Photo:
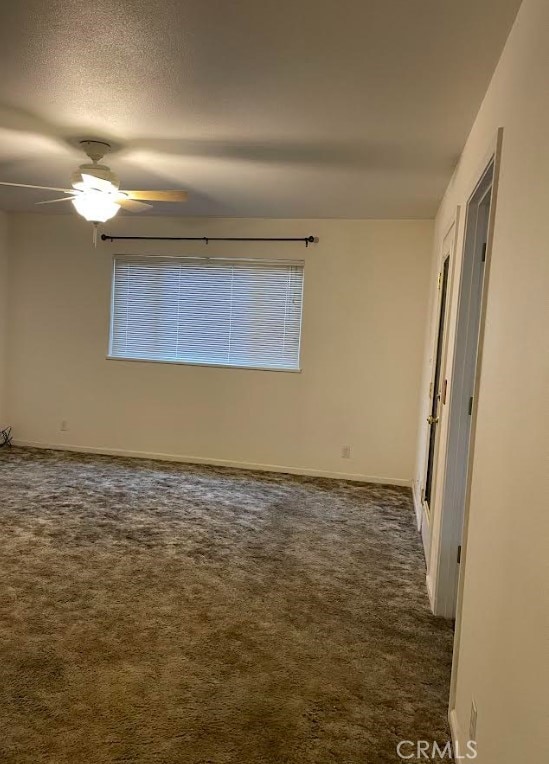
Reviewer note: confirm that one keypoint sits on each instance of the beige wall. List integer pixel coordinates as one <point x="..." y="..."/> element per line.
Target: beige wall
<point x="3" y="313"/>
<point x="363" y="324"/>
<point x="503" y="656"/>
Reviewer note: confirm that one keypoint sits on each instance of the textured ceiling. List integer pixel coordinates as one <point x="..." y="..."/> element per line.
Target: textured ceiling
<point x="262" y="108"/>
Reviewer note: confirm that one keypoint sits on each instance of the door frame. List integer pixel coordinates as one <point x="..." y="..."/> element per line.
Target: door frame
<point x="494" y="160"/>
<point x="448" y="532"/>
<point x="448" y="545"/>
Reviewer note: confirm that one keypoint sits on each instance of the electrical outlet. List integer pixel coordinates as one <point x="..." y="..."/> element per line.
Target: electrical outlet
<point x="473" y="722"/>
<point x="64" y="426"/>
<point x="346" y="452"/>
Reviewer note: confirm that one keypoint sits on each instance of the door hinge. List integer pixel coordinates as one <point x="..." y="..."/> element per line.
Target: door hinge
<point x="439" y="280"/>
<point x="470" y="405"/>
<point x="459" y="554"/>
<point x="484" y="252"/>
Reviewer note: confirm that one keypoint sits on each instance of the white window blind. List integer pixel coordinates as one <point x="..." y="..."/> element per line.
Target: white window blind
<point x="207" y="311"/>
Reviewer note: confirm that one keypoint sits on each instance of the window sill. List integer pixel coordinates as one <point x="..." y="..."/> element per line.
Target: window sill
<point x="203" y="365"/>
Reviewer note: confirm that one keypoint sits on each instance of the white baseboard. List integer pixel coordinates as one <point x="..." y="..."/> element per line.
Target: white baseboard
<point x="356" y="477"/>
<point x="454" y="728"/>
<point x="430" y="593"/>
<point x="418" y="509"/>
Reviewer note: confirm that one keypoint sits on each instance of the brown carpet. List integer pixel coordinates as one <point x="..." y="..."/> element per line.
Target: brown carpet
<point x="154" y="612"/>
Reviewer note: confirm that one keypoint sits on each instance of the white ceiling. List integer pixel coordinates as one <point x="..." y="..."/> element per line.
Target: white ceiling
<point x="260" y="108"/>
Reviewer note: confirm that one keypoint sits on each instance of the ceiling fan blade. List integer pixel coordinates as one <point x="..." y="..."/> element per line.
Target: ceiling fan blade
<point x="97" y="184"/>
<point x="132" y="206"/>
<point x="54" y="201"/>
<point x="43" y="188"/>
<point x="159" y="196"/>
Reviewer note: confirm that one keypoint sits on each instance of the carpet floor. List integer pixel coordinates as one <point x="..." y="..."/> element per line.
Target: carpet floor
<point x="155" y="612"/>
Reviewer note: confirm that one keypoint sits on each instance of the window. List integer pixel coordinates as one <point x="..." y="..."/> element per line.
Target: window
<point x="207" y="311"/>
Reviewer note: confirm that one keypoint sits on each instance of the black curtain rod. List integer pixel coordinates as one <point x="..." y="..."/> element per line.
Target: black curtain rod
<point x="206" y="239"/>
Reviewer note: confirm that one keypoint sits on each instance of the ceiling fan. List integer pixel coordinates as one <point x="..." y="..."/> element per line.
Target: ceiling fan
<point x="95" y="191"/>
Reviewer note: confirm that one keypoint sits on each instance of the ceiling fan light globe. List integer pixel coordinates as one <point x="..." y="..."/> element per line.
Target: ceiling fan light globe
<point x="95" y="207"/>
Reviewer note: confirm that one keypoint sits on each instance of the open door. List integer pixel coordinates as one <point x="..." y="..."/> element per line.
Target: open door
<point x="437" y="391"/>
<point x="436" y="388"/>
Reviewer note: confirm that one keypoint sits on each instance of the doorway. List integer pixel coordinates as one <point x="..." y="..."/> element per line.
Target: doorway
<point x="462" y="393"/>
